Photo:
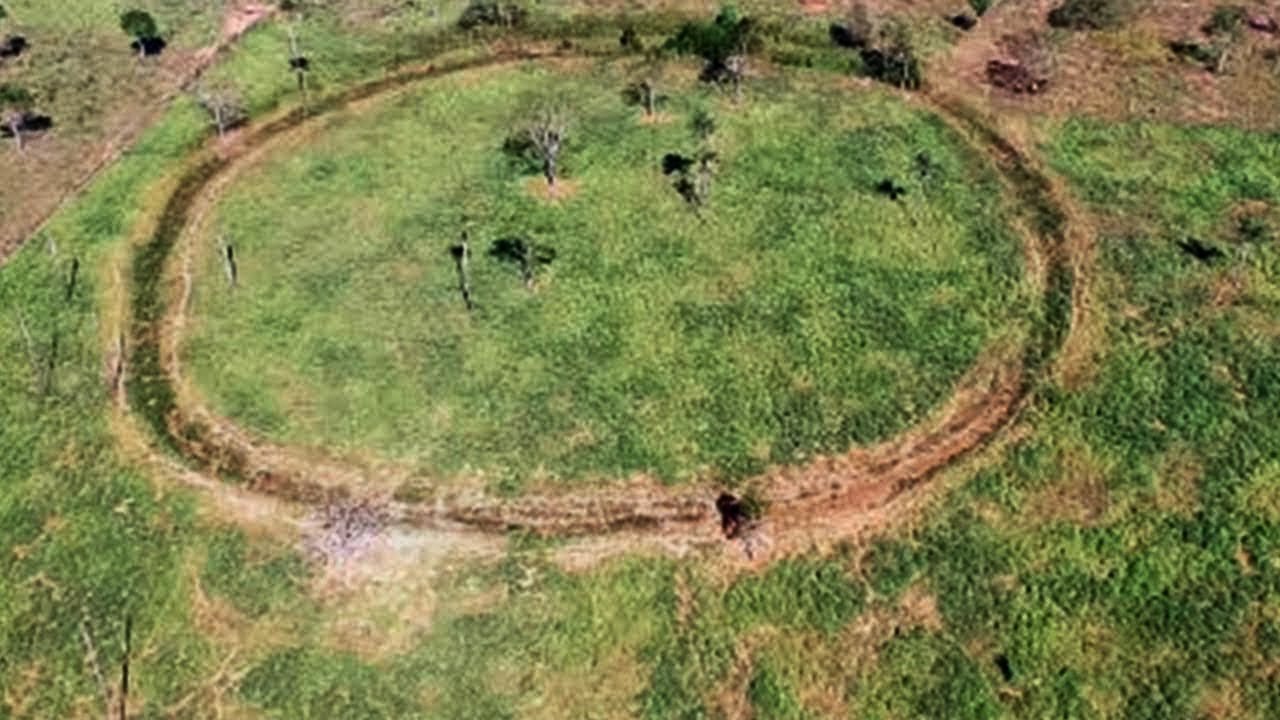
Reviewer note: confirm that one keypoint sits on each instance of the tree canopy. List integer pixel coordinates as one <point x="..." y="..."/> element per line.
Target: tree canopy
<point x="728" y="34"/>
<point x="139" y="24"/>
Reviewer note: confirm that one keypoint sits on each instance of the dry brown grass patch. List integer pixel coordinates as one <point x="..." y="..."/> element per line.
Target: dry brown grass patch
<point x="1080" y="493"/>
<point x="1178" y="482"/>
<point x="537" y="188"/>
<point x="379" y="604"/>
<point x="658" y="118"/>
<point x="1222" y="701"/>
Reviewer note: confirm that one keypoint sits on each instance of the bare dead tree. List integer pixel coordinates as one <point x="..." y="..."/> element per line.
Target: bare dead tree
<point x="124" y="667"/>
<point x="526" y="254"/>
<point x="643" y="93"/>
<point x="461" y="252"/>
<point x="73" y="276"/>
<point x="735" y="67"/>
<point x="299" y="64"/>
<point x="229" y="268"/>
<point x="91" y="659"/>
<point x="546" y="132"/>
<point x="15" y="103"/>
<point x="225" y="105"/>
<point x="706" y="169"/>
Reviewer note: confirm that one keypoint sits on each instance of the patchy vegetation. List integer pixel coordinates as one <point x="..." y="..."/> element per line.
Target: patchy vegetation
<point x="659" y="341"/>
<point x="1115" y="554"/>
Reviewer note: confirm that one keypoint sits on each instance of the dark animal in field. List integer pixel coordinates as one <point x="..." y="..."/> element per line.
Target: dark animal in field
<point x="964" y="21"/>
<point x="13" y="46"/>
<point x="675" y="163"/>
<point x="1200" y="251"/>
<point x="890" y="189"/>
<point x="149" y="46"/>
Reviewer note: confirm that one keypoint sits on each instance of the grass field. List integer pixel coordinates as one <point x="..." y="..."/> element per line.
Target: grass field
<point x="800" y="312"/>
<point x="1117" y="555"/>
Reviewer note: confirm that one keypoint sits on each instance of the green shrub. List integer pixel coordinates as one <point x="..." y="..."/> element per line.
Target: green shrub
<point x="1089" y="14"/>
<point x="482" y="13"/>
<point x="727" y="34"/>
<point x="981" y="6"/>
<point x="1226" y="20"/>
<point x="770" y="696"/>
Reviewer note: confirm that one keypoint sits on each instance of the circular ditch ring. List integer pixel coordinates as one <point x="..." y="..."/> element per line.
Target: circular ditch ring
<point x="801" y="500"/>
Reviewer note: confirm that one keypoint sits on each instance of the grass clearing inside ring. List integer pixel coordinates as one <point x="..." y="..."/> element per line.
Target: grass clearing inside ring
<point x="800" y="312"/>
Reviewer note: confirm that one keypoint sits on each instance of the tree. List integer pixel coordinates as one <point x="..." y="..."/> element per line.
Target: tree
<point x="139" y="25"/>
<point x="461" y="252"/>
<point x="299" y="64"/>
<point x="735" y="68"/>
<point x="703" y="124"/>
<point x="724" y="44"/>
<point x="894" y="59"/>
<point x="525" y="253"/>
<point x="706" y="168"/>
<point x="497" y="14"/>
<point x="224" y="104"/>
<point x="630" y="39"/>
<point x="15" y="103"/>
<point x="1225" y="29"/>
<point x="693" y="175"/>
<point x="643" y="93"/>
<point x="546" y="133"/>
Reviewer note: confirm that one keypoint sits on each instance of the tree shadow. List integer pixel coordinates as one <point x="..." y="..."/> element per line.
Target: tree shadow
<point x="524" y="253"/>
<point x="13" y="46"/>
<point x="149" y="47"/>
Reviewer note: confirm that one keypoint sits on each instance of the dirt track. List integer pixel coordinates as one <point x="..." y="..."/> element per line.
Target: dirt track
<point x="822" y="499"/>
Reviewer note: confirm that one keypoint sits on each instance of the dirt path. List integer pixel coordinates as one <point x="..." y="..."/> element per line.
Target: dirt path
<point x="826" y="498"/>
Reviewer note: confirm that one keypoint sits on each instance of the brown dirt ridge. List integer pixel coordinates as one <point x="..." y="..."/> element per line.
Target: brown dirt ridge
<point x="825" y="498"/>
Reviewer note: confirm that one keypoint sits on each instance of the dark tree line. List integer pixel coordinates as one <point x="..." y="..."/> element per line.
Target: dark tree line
<point x="886" y="49"/>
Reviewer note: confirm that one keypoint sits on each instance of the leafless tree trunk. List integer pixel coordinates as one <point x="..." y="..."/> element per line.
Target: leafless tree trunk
<point x="91" y="658"/>
<point x="124" y="668"/>
<point x="14" y="120"/>
<point x="229" y="264"/>
<point x="223" y="103"/>
<point x="648" y="97"/>
<point x="736" y="65"/>
<point x="298" y="62"/>
<point x="547" y="133"/>
<point x="72" y="278"/>
<point x="706" y="168"/>
<point x="462" y="259"/>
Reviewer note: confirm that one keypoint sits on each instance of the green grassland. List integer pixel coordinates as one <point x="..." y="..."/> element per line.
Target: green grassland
<point x="1121" y="559"/>
<point x="799" y="312"/>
